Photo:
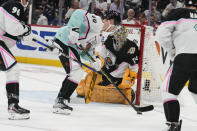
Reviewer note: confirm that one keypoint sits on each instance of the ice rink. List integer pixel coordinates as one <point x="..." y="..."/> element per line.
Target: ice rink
<point x="39" y="86"/>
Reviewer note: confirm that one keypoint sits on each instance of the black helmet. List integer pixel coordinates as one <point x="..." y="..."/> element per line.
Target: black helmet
<point x="190" y="2"/>
<point x="113" y="15"/>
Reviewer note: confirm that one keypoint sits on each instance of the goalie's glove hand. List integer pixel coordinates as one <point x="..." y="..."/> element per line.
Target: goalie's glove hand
<point x="74" y="35"/>
<point x="55" y="48"/>
<point x="97" y="65"/>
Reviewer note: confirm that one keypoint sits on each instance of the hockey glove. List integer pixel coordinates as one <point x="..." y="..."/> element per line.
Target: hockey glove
<point x="74" y="35"/>
<point x="27" y="29"/>
<point x="56" y="49"/>
<point x="97" y="65"/>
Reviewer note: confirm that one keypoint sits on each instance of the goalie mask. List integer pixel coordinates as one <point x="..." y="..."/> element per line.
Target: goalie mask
<point x="120" y="36"/>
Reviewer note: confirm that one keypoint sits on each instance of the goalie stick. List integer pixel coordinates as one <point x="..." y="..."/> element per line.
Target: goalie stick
<point x="139" y="110"/>
<point x="88" y="96"/>
<point x="91" y="88"/>
<point x="92" y="83"/>
<point x="51" y="48"/>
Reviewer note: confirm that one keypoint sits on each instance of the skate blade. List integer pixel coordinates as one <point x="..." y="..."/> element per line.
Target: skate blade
<point x="61" y="111"/>
<point x="16" y="116"/>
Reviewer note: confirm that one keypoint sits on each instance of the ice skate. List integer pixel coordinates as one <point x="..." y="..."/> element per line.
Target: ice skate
<point x="173" y="127"/>
<point x="61" y="106"/>
<point x="17" y="113"/>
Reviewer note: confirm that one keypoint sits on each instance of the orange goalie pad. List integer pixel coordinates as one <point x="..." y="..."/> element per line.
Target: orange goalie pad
<point x="108" y="94"/>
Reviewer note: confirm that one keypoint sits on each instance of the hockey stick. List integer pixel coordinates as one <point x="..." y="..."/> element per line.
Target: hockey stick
<point x="91" y="88"/>
<point x="62" y="53"/>
<point x="139" y="110"/>
<point x="88" y="96"/>
<point x="92" y="83"/>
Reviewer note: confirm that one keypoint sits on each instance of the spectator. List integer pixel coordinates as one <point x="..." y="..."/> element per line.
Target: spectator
<point x="161" y="4"/>
<point x="35" y="16"/>
<point x="154" y="23"/>
<point x="101" y="7"/>
<point x="74" y="6"/>
<point x="172" y="5"/>
<point x="154" y="12"/>
<point x="142" y="20"/>
<point x="115" y="6"/>
<point x="50" y="13"/>
<point x="130" y="17"/>
<point x="42" y="20"/>
<point x="108" y="4"/>
<point x="84" y="4"/>
<point x="55" y="21"/>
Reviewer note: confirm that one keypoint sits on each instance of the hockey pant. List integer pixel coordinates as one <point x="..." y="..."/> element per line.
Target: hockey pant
<point x="9" y="65"/>
<point x="183" y="69"/>
<point x="71" y="81"/>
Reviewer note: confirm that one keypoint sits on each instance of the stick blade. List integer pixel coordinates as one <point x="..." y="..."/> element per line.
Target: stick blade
<point x="146" y="108"/>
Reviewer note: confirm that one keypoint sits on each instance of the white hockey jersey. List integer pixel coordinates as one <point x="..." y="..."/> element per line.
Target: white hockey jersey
<point x="11" y="22"/>
<point x="179" y="31"/>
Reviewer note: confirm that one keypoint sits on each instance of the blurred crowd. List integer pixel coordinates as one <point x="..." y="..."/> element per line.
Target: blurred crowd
<point x="46" y="12"/>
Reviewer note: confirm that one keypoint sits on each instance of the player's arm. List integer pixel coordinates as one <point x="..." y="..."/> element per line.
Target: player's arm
<point x="132" y="51"/>
<point x="13" y="20"/>
<point x="166" y="28"/>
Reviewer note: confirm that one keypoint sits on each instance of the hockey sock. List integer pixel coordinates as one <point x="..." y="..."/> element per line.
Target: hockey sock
<point x="68" y="87"/>
<point x="172" y="110"/>
<point x="12" y="92"/>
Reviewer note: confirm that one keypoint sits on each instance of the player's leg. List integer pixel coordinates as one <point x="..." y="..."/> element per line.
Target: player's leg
<point x="9" y="65"/>
<point x="68" y="85"/>
<point x="171" y="87"/>
<point x="193" y="85"/>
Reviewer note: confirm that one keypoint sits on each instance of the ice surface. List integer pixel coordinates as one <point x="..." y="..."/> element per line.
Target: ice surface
<point x="39" y="86"/>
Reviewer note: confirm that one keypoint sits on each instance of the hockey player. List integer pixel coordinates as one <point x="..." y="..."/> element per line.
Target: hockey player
<point x="178" y="35"/>
<point x="118" y="53"/>
<point x="11" y="28"/>
<point x="83" y="29"/>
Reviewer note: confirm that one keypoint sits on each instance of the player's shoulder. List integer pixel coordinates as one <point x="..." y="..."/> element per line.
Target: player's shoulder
<point x="14" y="8"/>
<point x="177" y="14"/>
<point x="130" y="43"/>
<point x="79" y="11"/>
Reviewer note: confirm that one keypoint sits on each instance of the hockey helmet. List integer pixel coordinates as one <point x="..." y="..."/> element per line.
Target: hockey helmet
<point x="113" y="15"/>
<point x="120" y="35"/>
<point x="191" y="2"/>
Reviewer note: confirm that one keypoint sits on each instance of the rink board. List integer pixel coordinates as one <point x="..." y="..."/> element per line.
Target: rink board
<point x="27" y="52"/>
